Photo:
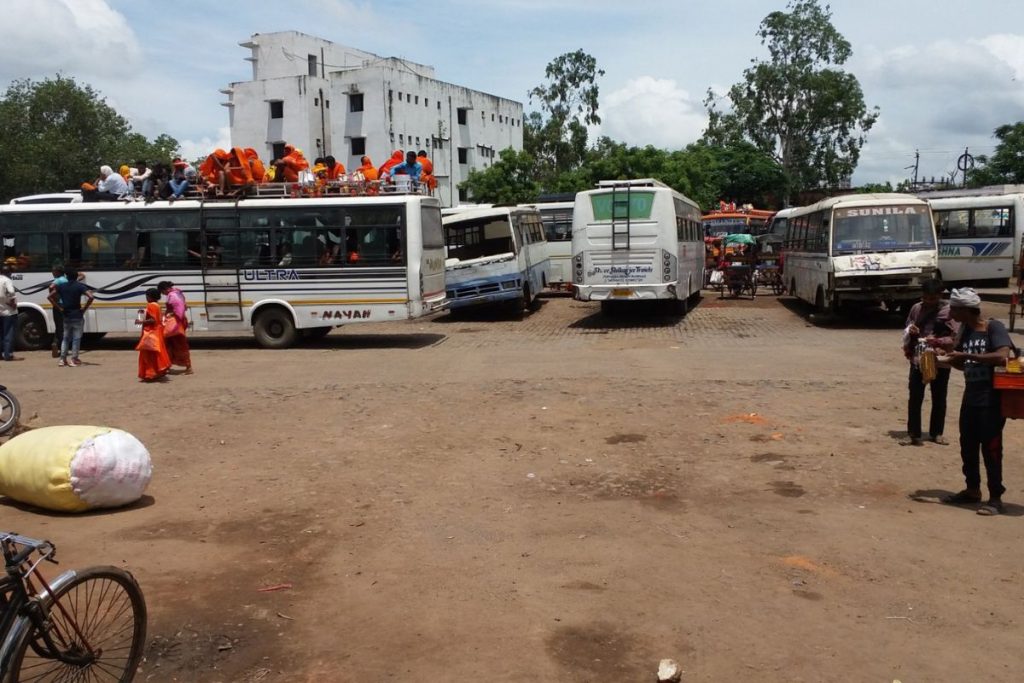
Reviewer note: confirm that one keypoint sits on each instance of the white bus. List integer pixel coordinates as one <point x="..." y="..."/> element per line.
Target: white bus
<point x="636" y="240"/>
<point x="495" y="255"/>
<point x="557" y="219"/>
<point x="867" y="248"/>
<point x="284" y="267"/>
<point x="979" y="236"/>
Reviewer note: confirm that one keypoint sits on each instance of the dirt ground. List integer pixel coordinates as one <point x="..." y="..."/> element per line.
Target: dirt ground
<point x="570" y="497"/>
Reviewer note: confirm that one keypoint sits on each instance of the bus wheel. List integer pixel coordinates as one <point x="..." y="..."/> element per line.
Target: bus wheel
<point x="32" y="335"/>
<point x="275" y="329"/>
<point x="819" y="301"/>
<point x="529" y="302"/>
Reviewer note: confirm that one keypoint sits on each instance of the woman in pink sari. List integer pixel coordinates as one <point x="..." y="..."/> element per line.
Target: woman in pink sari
<point x="153" y="359"/>
<point x="176" y="326"/>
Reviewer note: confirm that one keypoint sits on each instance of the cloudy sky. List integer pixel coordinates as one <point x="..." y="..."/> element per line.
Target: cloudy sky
<point x="944" y="73"/>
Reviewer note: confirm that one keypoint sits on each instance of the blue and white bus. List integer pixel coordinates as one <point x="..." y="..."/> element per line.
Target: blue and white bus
<point x="282" y="268"/>
<point x="557" y="219"/>
<point x="979" y="236"/>
<point x="495" y="255"/>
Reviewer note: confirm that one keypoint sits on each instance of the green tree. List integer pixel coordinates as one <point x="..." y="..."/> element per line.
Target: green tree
<point x="796" y="106"/>
<point x="1006" y="165"/>
<point x="55" y="134"/>
<point x="556" y="136"/>
<point x="509" y="180"/>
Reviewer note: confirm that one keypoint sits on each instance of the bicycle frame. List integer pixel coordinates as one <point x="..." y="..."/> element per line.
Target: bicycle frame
<point x="23" y="607"/>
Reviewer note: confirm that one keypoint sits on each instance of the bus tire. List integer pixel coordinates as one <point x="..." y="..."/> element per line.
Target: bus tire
<point x="32" y="334"/>
<point x="529" y="301"/>
<point x="274" y="328"/>
<point x="820" y="305"/>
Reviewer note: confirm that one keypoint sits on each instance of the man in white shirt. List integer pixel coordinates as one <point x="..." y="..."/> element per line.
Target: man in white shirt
<point x="110" y="187"/>
<point x="8" y="313"/>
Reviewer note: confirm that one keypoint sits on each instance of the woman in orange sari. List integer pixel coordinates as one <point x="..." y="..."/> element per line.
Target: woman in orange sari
<point x="153" y="359"/>
<point x="176" y="325"/>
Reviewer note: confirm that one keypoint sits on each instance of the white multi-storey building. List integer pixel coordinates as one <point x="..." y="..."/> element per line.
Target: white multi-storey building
<point x="326" y="98"/>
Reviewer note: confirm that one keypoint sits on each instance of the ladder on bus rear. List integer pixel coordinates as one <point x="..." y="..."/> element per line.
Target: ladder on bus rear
<point x="621" y="197"/>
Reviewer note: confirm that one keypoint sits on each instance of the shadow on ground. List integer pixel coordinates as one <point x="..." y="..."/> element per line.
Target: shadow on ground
<point x="874" y="318"/>
<point x="624" y="315"/>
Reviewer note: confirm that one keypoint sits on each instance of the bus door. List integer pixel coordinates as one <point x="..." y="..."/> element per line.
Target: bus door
<point x="221" y="258"/>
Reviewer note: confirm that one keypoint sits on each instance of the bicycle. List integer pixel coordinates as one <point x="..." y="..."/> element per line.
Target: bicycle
<point x="86" y="625"/>
<point x="10" y="410"/>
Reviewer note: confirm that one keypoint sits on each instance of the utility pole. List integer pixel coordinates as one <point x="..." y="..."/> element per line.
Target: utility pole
<point x="917" y="161"/>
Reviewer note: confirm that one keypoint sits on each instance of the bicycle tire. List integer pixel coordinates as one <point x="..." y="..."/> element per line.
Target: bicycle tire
<point x="85" y="601"/>
<point x="10" y="411"/>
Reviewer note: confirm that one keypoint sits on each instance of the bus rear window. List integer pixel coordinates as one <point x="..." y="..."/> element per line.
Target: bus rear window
<point x="632" y="205"/>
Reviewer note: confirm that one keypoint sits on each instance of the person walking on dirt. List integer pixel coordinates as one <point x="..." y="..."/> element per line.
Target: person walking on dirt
<point x="8" y="313"/>
<point x="981" y="346"/>
<point x="928" y="321"/>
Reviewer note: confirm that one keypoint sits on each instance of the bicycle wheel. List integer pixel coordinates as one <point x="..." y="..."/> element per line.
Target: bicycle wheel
<point x="97" y="622"/>
<point x="10" y="411"/>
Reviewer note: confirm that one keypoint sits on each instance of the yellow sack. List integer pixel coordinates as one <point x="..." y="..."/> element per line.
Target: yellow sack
<point x="74" y="468"/>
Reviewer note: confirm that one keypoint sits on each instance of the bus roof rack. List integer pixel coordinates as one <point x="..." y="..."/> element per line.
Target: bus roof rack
<point x="635" y="182"/>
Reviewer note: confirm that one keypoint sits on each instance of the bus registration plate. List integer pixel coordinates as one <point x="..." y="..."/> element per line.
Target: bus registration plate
<point x="622" y="292"/>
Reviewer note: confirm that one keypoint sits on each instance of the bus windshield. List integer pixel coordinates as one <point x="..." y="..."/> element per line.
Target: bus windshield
<point x="478" y="238"/>
<point x="882" y="228"/>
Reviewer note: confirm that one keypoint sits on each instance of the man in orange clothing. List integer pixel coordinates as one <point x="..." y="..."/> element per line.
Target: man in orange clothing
<point x="367" y="169"/>
<point x="335" y="169"/>
<point x="427" y="176"/>
<point x="396" y="158"/>
<point x="288" y="166"/>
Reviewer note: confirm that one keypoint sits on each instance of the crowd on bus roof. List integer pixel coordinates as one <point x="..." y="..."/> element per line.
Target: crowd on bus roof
<point x="233" y="172"/>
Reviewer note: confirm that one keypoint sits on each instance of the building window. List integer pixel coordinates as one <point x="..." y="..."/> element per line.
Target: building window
<point x="463" y="195"/>
<point x="461" y="114"/>
<point x="426" y="102"/>
<point x="417" y="143"/>
<point x="312" y="65"/>
<point x="355" y="102"/>
<point x="316" y="101"/>
<point x="417" y="100"/>
<point x="483" y="115"/>
<point x="399" y="95"/>
<point x="439" y="105"/>
<point x="463" y="155"/>
<point x="277" y="109"/>
<point x="438" y="144"/>
<point x="358" y="147"/>
<point x="327" y="103"/>
<point x="492" y="117"/>
<point x="278" y="150"/>
<point x="401" y="139"/>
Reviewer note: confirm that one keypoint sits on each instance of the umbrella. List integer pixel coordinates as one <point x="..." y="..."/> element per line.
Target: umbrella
<point x="739" y="239"/>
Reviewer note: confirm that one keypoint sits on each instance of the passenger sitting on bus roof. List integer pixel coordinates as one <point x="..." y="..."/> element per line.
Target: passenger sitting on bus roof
<point x="256" y="168"/>
<point x="427" y="177"/>
<point x="288" y="166"/>
<point x="178" y="184"/>
<point x="409" y="167"/>
<point x="335" y="169"/>
<point x="385" y="168"/>
<point x="125" y="171"/>
<point x="160" y="183"/>
<point x="367" y="169"/>
<point x="320" y="168"/>
<point x="108" y="187"/>
<point x="142" y="181"/>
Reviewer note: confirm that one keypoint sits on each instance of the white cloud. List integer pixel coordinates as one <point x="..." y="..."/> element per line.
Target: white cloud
<point x="939" y="97"/>
<point x="87" y="37"/>
<point x="652" y="111"/>
<point x="200" y="149"/>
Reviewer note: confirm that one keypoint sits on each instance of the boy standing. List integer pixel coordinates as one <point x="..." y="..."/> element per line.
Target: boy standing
<point x="68" y="298"/>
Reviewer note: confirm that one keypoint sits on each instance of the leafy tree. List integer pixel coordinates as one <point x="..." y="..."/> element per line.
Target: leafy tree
<point x="1006" y="165"/>
<point x="556" y="136"/>
<point x="509" y="180"/>
<point x="795" y="106"/>
<point x="55" y="134"/>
